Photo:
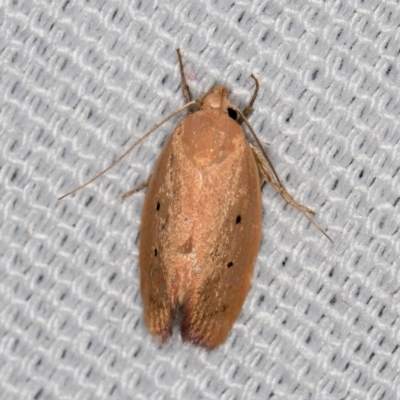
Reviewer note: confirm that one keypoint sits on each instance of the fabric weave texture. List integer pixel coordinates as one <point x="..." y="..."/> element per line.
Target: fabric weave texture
<point x="80" y="81"/>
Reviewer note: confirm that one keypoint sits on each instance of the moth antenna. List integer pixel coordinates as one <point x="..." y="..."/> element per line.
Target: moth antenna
<point x="130" y="148"/>
<point x="185" y="86"/>
<point x="249" y="109"/>
<point x="270" y="174"/>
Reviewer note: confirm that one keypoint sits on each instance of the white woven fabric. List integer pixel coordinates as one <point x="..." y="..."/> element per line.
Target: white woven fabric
<point x="81" y="80"/>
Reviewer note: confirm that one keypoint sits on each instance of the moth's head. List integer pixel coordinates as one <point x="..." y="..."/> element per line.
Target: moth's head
<point x="216" y="99"/>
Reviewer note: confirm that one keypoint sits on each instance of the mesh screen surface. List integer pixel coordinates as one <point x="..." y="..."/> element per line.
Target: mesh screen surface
<point x="81" y="80"/>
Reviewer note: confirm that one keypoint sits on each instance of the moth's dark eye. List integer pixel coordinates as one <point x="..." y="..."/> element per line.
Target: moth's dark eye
<point x="232" y="113"/>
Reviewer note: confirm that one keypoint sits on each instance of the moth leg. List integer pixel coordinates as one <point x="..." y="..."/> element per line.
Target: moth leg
<point x="136" y="189"/>
<point x="269" y="174"/>
<point x="249" y="109"/>
<point x="272" y="178"/>
<point x="185" y="87"/>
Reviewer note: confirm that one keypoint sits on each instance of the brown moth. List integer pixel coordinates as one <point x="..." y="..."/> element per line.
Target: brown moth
<point x="201" y="226"/>
<point x="201" y="220"/>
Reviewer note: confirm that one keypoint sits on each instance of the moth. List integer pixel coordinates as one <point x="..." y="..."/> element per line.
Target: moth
<point x="201" y="220"/>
